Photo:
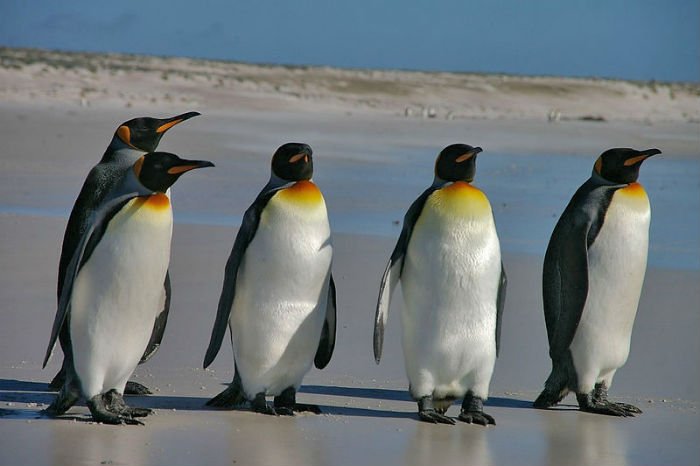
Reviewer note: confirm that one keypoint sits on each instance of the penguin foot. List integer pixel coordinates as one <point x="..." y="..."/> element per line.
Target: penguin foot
<point x="433" y="417"/>
<point x="547" y="399"/>
<point x="58" y="380"/>
<point x="481" y="418"/>
<point x="260" y="405"/>
<point x="428" y="413"/>
<point x="286" y="404"/>
<point x="473" y="411"/>
<point x="587" y="403"/>
<point x="135" y="388"/>
<point x="66" y="398"/>
<point x="231" y="398"/>
<point x="114" y="403"/>
<point x="100" y="413"/>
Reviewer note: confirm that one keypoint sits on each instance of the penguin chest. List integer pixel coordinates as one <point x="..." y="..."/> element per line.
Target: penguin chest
<point x="118" y="291"/>
<point x="450" y="282"/>
<point x="617" y="264"/>
<point x="282" y="290"/>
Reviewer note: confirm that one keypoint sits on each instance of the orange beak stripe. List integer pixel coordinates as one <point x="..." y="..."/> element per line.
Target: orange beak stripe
<point x="634" y="160"/>
<point x="180" y="169"/>
<point x="464" y="157"/>
<point x="167" y="126"/>
<point x="298" y="157"/>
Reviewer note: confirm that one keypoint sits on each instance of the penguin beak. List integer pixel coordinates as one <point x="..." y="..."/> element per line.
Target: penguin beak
<point x="643" y="155"/>
<point x="468" y="155"/>
<point x="301" y="155"/>
<point x="187" y="165"/>
<point x="170" y="122"/>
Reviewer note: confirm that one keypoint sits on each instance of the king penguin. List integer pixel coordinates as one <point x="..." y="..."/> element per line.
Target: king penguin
<point x="112" y="288"/>
<point x="592" y="279"/>
<point x="278" y="296"/>
<point x="131" y="140"/>
<point x="448" y="259"/>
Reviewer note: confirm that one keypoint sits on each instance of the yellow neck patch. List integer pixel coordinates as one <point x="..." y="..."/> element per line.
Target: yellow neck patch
<point x="461" y="199"/>
<point x="633" y="189"/>
<point x="158" y="201"/>
<point x="302" y="192"/>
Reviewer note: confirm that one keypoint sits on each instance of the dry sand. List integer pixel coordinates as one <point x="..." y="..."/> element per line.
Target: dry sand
<point x="371" y="162"/>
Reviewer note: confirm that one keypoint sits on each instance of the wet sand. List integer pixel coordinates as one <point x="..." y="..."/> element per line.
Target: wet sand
<point x="370" y="167"/>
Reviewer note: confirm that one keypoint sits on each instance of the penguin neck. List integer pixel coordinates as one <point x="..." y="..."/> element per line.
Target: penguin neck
<point x="276" y="183"/>
<point x="440" y="183"/>
<point x="119" y="151"/>
<point x="597" y="179"/>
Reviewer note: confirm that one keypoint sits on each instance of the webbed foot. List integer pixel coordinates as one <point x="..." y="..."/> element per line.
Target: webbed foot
<point x="428" y="413"/>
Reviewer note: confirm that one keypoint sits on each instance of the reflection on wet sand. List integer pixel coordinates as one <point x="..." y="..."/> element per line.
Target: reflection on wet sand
<point x="459" y="444"/>
<point x="586" y="440"/>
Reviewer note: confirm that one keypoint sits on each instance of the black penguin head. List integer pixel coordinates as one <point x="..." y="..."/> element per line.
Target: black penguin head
<point x="293" y="162"/>
<point x="144" y="133"/>
<point x="621" y="165"/>
<point x="457" y="163"/>
<point x="158" y="171"/>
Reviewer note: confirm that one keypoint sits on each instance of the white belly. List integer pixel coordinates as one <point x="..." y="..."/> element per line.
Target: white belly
<point x="450" y="282"/>
<point x="117" y="295"/>
<point x="281" y="297"/>
<point x="617" y="263"/>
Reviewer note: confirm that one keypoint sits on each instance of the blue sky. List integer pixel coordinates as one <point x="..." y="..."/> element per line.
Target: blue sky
<point x="643" y="39"/>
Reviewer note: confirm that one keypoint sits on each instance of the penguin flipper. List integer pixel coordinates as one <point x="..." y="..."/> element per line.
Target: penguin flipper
<point x="393" y="270"/>
<point x="500" y="304"/>
<point x="327" y="342"/>
<point x="565" y="288"/>
<point x="159" y="324"/>
<point x="249" y="225"/>
<point x="88" y="242"/>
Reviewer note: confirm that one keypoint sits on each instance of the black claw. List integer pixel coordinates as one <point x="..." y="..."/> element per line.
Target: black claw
<point x="434" y="417"/>
<point x="135" y="388"/>
<point x="481" y="419"/>
<point x="259" y="405"/>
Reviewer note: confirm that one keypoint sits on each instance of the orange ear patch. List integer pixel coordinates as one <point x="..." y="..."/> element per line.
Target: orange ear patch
<point x="137" y="166"/>
<point x="598" y="165"/>
<point x="124" y="134"/>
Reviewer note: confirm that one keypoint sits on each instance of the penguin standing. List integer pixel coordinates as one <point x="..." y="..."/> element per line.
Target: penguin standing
<point x="448" y="259"/>
<point x="593" y="273"/>
<point x="278" y="296"/>
<point x="131" y="140"/>
<point x="112" y="288"/>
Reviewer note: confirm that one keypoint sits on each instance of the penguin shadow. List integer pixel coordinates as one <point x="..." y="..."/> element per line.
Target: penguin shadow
<point x="395" y="395"/>
<point x="21" y="391"/>
<point x="359" y="392"/>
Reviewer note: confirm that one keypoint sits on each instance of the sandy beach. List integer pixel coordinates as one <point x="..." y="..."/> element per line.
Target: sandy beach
<point x="375" y="135"/>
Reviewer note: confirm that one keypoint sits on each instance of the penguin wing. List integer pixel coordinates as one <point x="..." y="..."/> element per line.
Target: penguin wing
<point x="327" y="342"/>
<point x="159" y="324"/>
<point x="246" y="233"/>
<point x="565" y="273"/>
<point x="393" y="270"/>
<point x="500" y="304"/>
<point x="88" y="241"/>
<point x="98" y="183"/>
